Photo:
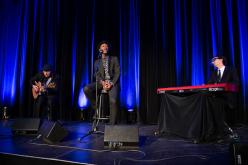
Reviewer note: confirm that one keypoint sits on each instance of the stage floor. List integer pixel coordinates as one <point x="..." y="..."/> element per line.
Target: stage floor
<point x="152" y="149"/>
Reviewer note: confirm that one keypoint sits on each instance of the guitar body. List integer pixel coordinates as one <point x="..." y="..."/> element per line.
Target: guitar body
<point x="35" y="93"/>
<point x="38" y="89"/>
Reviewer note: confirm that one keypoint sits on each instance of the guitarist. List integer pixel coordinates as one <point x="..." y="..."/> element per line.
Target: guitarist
<point x="45" y="90"/>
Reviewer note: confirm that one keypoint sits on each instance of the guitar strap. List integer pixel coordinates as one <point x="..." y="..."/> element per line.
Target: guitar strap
<point x="48" y="81"/>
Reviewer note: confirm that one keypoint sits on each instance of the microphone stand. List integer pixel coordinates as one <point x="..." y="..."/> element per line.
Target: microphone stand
<point x="96" y="117"/>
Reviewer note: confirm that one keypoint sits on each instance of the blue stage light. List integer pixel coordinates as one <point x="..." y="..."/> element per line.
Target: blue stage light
<point x="130" y="54"/>
<point x="82" y="100"/>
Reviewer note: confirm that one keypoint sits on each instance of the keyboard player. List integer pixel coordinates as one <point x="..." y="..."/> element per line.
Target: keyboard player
<point x="224" y="74"/>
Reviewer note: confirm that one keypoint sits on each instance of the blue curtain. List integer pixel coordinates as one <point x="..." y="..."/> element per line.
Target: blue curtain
<point x="13" y="44"/>
<point x="243" y="41"/>
<point x="129" y="53"/>
<point x="159" y="43"/>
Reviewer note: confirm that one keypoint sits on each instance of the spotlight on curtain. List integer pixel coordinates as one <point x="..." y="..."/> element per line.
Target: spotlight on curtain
<point x="129" y="53"/>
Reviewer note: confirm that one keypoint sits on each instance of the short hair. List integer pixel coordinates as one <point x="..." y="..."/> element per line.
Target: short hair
<point x="224" y="60"/>
<point x="103" y="42"/>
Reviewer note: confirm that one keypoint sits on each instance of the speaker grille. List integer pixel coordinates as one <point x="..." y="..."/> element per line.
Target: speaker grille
<point x="52" y="132"/>
<point x="29" y="126"/>
<point x="121" y="136"/>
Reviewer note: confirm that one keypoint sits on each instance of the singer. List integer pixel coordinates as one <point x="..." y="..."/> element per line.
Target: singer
<point x="107" y="73"/>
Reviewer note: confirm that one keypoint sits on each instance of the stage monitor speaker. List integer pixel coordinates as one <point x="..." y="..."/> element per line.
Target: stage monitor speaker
<point x="26" y="126"/>
<point x="121" y="137"/>
<point x="239" y="153"/>
<point x="52" y="132"/>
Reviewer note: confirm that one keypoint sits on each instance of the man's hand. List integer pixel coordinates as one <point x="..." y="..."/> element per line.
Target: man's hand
<point x="51" y="85"/>
<point x="42" y="89"/>
<point x="39" y="85"/>
<point x="106" y="85"/>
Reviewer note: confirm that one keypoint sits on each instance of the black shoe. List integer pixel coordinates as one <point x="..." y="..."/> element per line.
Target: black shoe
<point x="220" y="141"/>
<point x="156" y="133"/>
<point x="228" y="139"/>
<point x="196" y="141"/>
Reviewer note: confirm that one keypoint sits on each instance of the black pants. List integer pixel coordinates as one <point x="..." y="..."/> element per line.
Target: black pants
<point x="219" y="110"/>
<point x="90" y="93"/>
<point x="45" y="107"/>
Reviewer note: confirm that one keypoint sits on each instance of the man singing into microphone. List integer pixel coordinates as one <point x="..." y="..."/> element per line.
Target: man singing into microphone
<point x="107" y="73"/>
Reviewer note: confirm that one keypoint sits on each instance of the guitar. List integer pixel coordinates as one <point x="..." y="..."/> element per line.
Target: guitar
<point x="39" y="89"/>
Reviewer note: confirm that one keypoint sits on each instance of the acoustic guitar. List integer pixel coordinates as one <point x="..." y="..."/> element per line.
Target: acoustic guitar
<point x="39" y="89"/>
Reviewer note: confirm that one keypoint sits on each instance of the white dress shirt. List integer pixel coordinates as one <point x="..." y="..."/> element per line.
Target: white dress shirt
<point x="221" y="71"/>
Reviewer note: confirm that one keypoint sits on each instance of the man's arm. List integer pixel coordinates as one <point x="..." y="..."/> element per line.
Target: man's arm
<point x="97" y="73"/>
<point x="53" y="87"/>
<point x="116" y="70"/>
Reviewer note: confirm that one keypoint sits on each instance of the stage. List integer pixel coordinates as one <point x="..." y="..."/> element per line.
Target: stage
<point x="152" y="149"/>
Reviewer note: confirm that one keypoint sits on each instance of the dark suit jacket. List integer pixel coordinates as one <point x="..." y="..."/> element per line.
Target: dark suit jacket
<point x="114" y="70"/>
<point x="229" y="76"/>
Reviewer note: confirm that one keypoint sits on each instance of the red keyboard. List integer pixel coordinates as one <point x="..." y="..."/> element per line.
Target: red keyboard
<point x="227" y="87"/>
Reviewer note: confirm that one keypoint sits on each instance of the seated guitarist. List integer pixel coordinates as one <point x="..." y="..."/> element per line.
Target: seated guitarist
<point x="45" y="91"/>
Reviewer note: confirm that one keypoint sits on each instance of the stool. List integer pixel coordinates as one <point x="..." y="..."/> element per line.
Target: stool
<point x="102" y="111"/>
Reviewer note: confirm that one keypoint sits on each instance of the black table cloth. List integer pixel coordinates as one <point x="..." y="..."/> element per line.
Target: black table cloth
<point x="190" y="115"/>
